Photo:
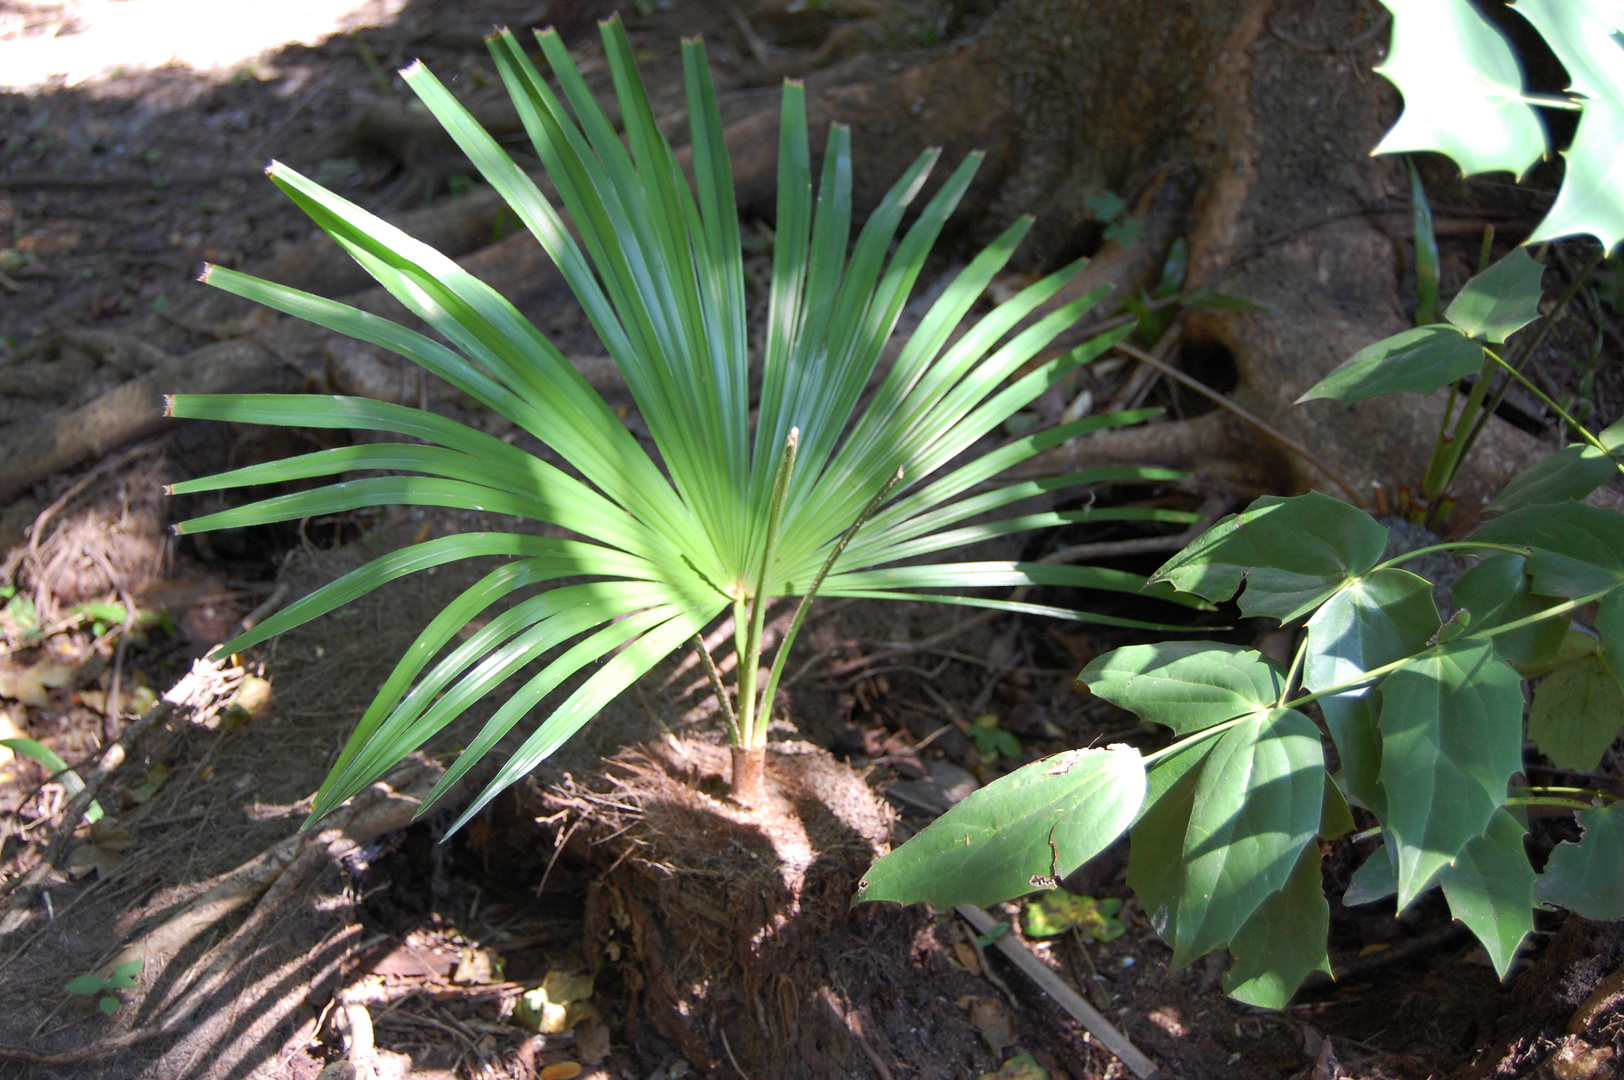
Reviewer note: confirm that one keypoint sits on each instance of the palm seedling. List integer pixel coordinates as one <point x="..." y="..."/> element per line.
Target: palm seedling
<point x="825" y="495"/>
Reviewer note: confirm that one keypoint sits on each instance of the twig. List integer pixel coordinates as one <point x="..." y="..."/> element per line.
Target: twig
<point x="1247" y="415"/>
<point x="1107" y="549"/>
<point x="981" y="956"/>
<point x="269" y="607"/>
<point x="854" y="1024"/>
<point x="735" y="1061"/>
<point x="1064" y="996"/>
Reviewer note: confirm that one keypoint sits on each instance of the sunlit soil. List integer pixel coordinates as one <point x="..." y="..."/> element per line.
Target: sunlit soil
<point x="93" y="41"/>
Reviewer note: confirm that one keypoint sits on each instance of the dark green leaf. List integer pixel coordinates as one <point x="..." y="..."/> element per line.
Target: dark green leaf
<point x="1373" y="880"/>
<point x="1336" y="819"/>
<point x="1208" y="300"/>
<point x="1571" y="473"/>
<point x="1290" y="552"/>
<point x="1257" y="805"/>
<point x="1490" y="888"/>
<point x="1156" y="841"/>
<point x="1578" y="549"/>
<point x="1283" y="941"/>
<point x="1501" y="300"/>
<point x="1161" y="779"/>
<point x="1587" y="878"/>
<point x="1578" y="709"/>
<point x="1187" y="685"/>
<point x="1419" y="361"/>
<point x="1382" y="617"/>
<point x="1497" y="591"/>
<point x="1610" y="625"/>
<point x="1007" y="839"/>
<point x="1451" y="728"/>
<point x="108" y="1004"/>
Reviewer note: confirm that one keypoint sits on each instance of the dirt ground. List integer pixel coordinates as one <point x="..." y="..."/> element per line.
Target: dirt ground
<point x="263" y="949"/>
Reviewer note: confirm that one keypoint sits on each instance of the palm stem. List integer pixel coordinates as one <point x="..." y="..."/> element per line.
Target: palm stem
<point x="752" y="727"/>
<point x="806" y="597"/>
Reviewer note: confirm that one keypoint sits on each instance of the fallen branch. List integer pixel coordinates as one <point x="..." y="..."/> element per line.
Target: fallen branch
<point x="1063" y="995"/>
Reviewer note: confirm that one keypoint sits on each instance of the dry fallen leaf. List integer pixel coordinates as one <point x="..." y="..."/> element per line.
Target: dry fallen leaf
<point x="991" y="1019"/>
<point x="563" y="1070"/>
<point x="477" y="966"/>
<point x="965" y="954"/>
<point x="31" y="685"/>
<point x="557" y="1005"/>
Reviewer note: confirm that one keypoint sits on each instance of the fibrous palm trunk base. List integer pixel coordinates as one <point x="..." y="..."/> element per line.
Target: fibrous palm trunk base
<point x="719" y="920"/>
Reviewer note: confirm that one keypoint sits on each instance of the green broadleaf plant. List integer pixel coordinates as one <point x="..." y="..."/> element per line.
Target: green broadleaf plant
<point x="1427" y="724"/>
<point x="826" y="494"/>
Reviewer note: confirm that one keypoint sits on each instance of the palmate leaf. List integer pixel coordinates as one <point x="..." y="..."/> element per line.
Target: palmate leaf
<point x="1291" y="553"/>
<point x="1255" y="807"/>
<point x="1283" y="941"/>
<point x="1588" y="877"/>
<point x="1578" y="710"/>
<point x="1374" y="880"/>
<point x="1463" y="96"/>
<point x="1501" y="300"/>
<point x="1578" y="549"/>
<point x="1498" y="590"/>
<point x="1451" y="732"/>
<point x="1569" y="474"/>
<point x="1490" y="888"/>
<point x="1462" y="89"/>
<point x="1377" y="619"/>
<point x="1187" y="685"/>
<point x="662" y="543"/>
<point x="1021" y="833"/>
<point x="1584" y="36"/>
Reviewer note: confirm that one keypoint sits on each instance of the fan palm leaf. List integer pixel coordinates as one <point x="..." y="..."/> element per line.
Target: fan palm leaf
<point x="836" y="483"/>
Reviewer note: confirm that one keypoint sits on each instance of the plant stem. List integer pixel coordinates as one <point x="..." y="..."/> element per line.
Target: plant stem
<point x="1539" y="336"/>
<point x="806" y="597"/>
<point x="750" y="654"/>
<point x="1455" y="546"/>
<point x="1447" y="451"/>
<point x="1578" y="428"/>
<point x="1296" y="666"/>
<point x="1190" y="740"/>
<point x="722" y="700"/>
<point x="1572" y="804"/>
<point x="1482" y="635"/>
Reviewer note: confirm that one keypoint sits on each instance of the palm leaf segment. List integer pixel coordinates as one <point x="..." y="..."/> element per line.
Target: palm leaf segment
<point x="659" y="271"/>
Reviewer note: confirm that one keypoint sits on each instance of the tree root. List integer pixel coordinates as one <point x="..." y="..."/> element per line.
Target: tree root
<point x="269" y="881"/>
